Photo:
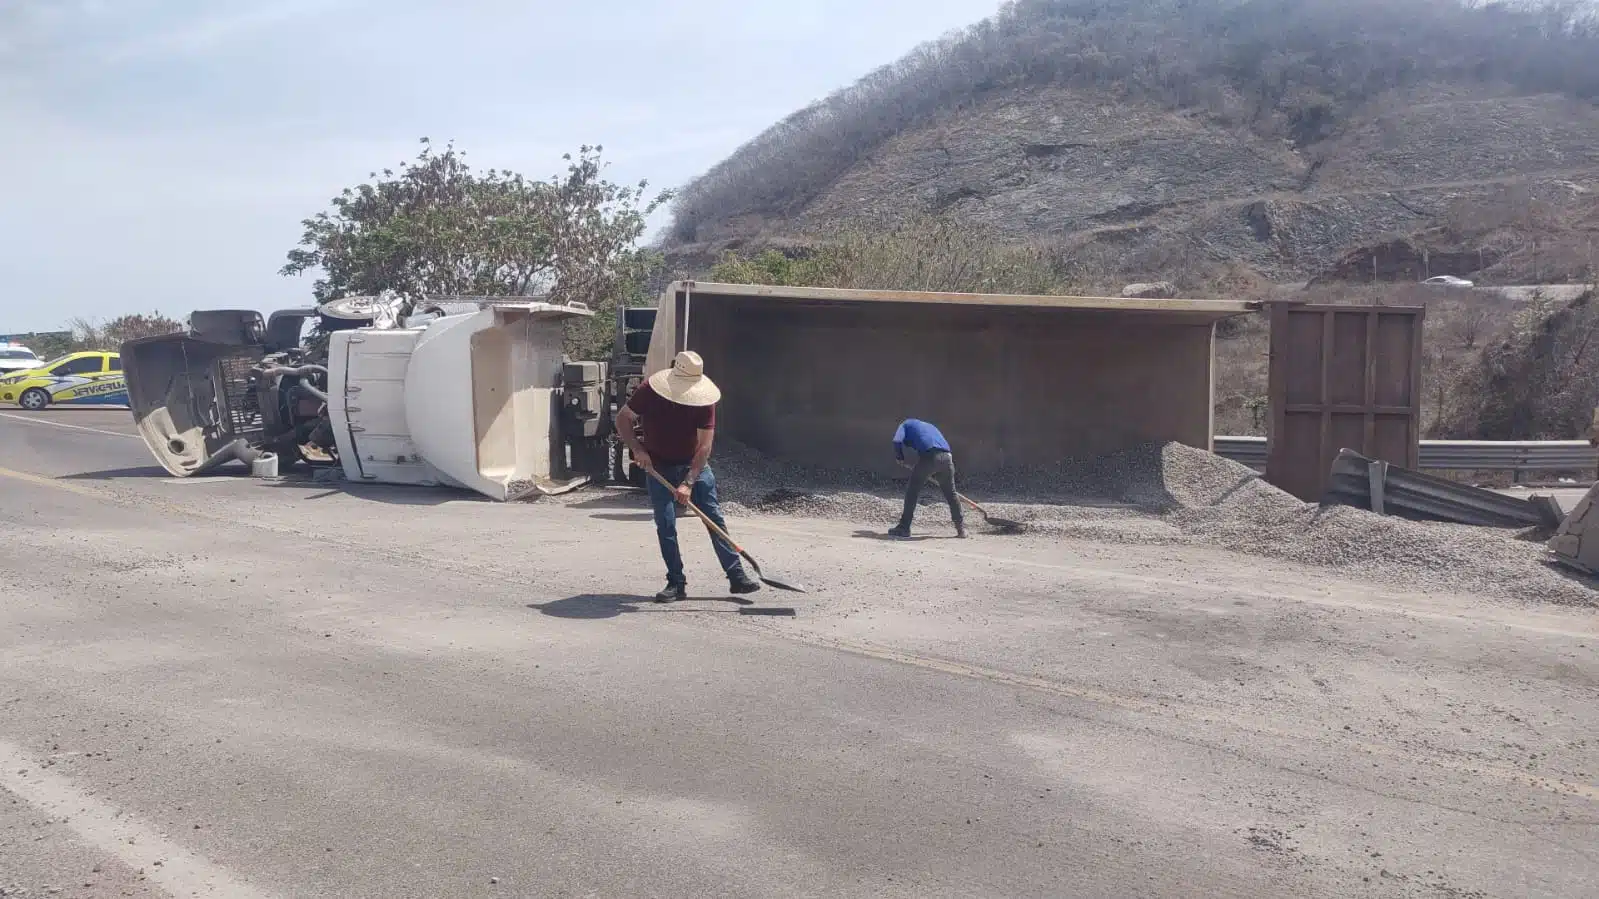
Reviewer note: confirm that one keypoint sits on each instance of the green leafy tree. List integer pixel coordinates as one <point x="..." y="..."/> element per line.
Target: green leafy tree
<point x="592" y="338"/>
<point x="436" y="227"/>
<point x="50" y="345"/>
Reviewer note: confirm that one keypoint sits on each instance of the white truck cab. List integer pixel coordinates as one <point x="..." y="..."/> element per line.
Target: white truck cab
<point x="472" y="396"/>
<point x="466" y="400"/>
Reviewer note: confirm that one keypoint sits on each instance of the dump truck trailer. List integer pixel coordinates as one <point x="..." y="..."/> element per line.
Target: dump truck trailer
<point x="469" y="393"/>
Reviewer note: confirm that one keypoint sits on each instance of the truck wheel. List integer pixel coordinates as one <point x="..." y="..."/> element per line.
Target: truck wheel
<point x="34" y="399"/>
<point x="347" y="313"/>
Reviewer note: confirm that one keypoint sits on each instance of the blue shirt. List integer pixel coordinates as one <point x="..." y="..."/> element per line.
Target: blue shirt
<point x="922" y="437"/>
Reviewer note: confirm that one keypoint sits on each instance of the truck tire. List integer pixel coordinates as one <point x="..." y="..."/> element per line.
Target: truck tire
<point x="34" y="399"/>
<point x="346" y="314"/>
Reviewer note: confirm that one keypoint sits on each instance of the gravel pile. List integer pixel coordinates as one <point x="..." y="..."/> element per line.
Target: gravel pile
<point x="1172" y="495"/>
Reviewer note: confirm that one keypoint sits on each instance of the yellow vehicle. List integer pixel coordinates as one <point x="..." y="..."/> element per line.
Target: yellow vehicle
<point x="91" y="378"/>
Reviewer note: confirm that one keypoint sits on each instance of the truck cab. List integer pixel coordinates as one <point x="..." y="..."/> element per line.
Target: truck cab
<point x="467" y="392"/>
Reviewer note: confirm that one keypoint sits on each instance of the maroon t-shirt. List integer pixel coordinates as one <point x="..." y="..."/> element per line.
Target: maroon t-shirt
<point x="670" y="429"/>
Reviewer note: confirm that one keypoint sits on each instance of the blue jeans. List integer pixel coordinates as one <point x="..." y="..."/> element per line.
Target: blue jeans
<point x="703" y="495"/>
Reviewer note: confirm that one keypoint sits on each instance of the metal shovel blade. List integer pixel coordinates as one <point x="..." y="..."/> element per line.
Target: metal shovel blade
<point x="1002" y="525"/>
<point x="767" y="579"/>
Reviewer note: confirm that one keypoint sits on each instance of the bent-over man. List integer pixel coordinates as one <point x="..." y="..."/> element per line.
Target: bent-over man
<point x="677" y="408"/>
<point x="933" y="459"/>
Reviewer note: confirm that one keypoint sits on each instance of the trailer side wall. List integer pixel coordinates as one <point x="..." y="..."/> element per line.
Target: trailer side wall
<point x="825" y="383"/>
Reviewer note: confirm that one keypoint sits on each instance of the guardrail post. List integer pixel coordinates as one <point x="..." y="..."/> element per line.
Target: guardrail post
<point x="1377" y="475"/>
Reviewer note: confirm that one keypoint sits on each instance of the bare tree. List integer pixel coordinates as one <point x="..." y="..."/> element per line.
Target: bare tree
<point x="1468" y="322"/>
<point x="92" y="335"/>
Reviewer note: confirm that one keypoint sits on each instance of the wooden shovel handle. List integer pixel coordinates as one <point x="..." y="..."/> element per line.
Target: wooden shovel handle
<point x="695" y="509"/>
<point x="963" y="498"/>
<point x="980" y="510"/>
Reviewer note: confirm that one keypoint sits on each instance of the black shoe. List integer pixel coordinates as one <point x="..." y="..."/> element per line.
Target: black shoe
<point x="899" y="531"/>
<point x="672" y="593"/>
<point x="960" y="532"/>
<point x="742" y="583"/>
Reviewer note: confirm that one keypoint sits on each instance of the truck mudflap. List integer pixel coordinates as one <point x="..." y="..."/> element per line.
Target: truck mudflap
<point x="478" y="404"/>
<point x="1576" y="543"/>
<point x="191" y="401"/>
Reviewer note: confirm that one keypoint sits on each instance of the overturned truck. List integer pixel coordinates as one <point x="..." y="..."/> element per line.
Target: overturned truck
<point x="476" y="394"/>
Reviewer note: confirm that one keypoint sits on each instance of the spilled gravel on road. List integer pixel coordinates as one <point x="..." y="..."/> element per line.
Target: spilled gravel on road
<point x="1173" y="495"/>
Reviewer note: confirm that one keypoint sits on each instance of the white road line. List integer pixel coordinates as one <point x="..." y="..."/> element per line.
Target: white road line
<point x="141" y="847"/>
<point x="58" y="424"/>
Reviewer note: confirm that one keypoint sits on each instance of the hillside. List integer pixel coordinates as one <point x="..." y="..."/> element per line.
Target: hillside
<point x="1163" y="135"/>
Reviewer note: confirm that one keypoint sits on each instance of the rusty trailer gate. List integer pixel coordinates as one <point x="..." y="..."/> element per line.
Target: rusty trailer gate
<point x="1342" y="377"/>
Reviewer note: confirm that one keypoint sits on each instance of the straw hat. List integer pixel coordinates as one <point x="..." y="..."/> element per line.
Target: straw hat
<point x="685" y="381"/>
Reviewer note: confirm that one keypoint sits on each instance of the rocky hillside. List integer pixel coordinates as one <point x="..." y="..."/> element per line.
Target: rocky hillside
<point x="1161" y="135"/>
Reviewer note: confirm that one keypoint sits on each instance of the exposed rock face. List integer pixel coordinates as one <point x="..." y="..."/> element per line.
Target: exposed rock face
<point x="1405" y="259"/>
<point x="1160" y="189"/>
<point x="1154" y="290"/>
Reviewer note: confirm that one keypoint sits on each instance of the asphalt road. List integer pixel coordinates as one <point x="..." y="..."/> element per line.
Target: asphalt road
<point x="225" y="687"/>
<point x="1567" y="497"/>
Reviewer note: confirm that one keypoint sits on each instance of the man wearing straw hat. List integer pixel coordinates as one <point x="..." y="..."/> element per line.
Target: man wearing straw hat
<point x="678" y="410"/>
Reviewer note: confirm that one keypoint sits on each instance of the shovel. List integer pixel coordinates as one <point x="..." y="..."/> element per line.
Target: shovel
<point x="769" y="580"/>
<point x="1003" y="525"/>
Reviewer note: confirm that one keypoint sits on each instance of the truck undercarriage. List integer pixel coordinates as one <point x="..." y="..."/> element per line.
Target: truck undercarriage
<point x="468" y="392"/>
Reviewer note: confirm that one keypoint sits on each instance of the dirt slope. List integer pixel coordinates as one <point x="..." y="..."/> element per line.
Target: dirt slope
<point x="1160" y="189"/>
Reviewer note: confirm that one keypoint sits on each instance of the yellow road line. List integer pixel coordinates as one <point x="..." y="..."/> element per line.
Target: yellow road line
<point x="43" y="481"/>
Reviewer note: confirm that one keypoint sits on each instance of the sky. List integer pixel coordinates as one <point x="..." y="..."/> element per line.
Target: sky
<point x="160" y="154"/>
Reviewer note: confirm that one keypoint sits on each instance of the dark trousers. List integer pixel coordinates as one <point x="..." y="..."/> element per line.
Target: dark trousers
<point x="703" y="495"/>
<point x="939" y="466"/>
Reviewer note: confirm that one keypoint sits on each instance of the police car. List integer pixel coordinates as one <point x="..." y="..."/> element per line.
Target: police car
<point x="92" y="378"/>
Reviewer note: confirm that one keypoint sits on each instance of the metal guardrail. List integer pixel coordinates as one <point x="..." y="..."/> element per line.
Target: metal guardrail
<point x="1391" y="490"/>
<point x="1456" y="455"/>
<point x="1249" y="451"/>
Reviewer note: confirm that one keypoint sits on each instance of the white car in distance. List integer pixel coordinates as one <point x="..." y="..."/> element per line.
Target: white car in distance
<point x="16" y="357"/>
<point x="1446" y="281"/>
